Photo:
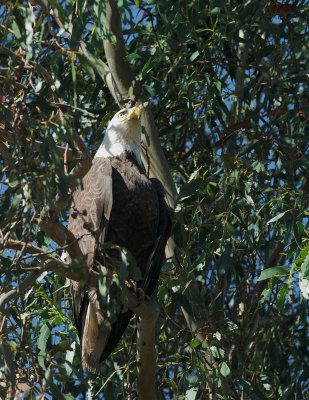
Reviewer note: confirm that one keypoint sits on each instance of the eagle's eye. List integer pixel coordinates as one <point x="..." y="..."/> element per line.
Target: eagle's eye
<point x="121" y="115"/>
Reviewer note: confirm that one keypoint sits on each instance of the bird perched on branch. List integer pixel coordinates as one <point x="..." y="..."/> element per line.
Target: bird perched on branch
<point x="116" y="203"/>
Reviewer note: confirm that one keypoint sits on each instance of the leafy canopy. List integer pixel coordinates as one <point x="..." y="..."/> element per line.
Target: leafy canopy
<point x="228" y="84"/>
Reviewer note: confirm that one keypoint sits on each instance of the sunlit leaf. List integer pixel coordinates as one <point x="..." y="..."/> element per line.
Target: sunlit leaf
<point x="274" y="271"/>
<point x="45" y="332"/>
<point x="304" y="286"/>
<point x="276" y="218"/>
<point x="225" y="370"/>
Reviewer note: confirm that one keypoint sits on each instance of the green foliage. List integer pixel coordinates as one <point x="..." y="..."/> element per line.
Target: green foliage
<point x="234" y="129"/>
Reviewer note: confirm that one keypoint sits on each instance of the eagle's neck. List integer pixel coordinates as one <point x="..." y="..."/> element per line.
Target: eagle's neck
<point x="116" y="146"/>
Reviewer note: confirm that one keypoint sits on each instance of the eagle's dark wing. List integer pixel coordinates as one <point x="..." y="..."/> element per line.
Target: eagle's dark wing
<point x="89" y="216"/>
<point x="156" y="257"/>
<point x="152" y="270"/>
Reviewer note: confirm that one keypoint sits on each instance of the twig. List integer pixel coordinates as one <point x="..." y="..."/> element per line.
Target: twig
<point x="33" y="250"/>
<point x="240" y="75"/>
<point x="81" y="145"/>
<point x="39" y="68"/>
<point x="65" y="159"/>
<point x="14" y="293"/>
<point x="81" y="169"/>
<point x="65" y="106"/>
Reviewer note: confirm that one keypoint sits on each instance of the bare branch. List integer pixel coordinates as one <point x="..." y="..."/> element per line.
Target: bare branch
<point x="27" y="247"/>
<point x="143" y="309"/>
<point x="123" y="77"/>
<point x="60" y="235"/>
<point x="49" y="263"/>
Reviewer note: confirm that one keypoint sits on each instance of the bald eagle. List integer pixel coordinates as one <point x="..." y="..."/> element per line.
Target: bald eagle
<point x="117" y="203"/>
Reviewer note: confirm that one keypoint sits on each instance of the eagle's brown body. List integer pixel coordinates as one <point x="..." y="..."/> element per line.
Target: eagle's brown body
<point x="116" y="203"/>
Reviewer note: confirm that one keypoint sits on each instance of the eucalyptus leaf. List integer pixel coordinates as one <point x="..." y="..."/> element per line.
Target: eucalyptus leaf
<point x="276" y="218"/>
<point x="45" y="333"/>
<point x="274" y="271"/>
<point x="304" y="286"/>
<point x="225" y="370"/>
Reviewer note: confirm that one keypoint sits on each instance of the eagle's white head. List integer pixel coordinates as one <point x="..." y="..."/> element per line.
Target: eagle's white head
<point x="123" y="134"/>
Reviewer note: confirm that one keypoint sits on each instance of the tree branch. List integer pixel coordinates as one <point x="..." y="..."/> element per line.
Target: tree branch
<point x="81" y="169"/>
<point x="122" y="75"/>
<point x="50" y="263"/>
<point x="148" y="314"/>
<point x="124" y="82"/>
<point x="15" y="293"/>
<point x="66" y="270"/>
<point x="60" y="235"/>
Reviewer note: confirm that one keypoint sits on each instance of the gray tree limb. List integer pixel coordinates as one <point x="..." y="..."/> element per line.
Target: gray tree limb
<point x="123" y="84"/>
<point x="146" y="351"/>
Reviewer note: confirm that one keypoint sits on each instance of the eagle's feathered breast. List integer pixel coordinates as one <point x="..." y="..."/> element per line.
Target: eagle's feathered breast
<point x="134" y="217"/>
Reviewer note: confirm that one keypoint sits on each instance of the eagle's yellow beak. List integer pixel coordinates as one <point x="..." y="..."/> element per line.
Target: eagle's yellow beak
<point x="134" y="113"/>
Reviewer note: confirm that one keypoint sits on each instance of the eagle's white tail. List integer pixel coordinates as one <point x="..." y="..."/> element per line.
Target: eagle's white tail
<point x="95" y="336"/>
